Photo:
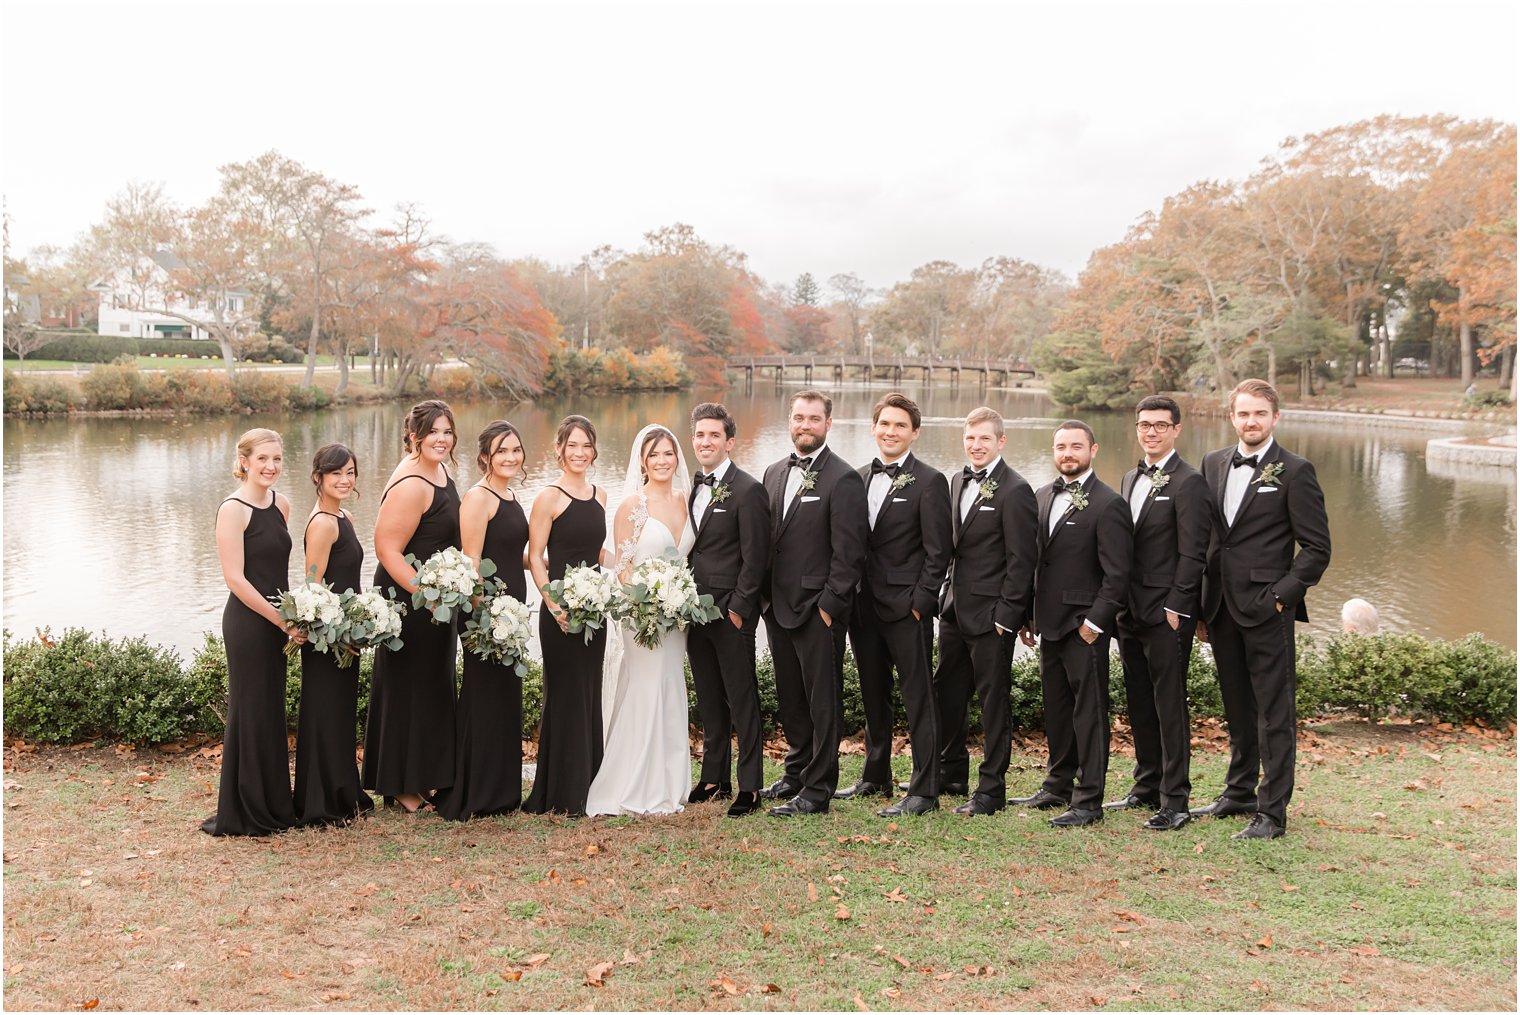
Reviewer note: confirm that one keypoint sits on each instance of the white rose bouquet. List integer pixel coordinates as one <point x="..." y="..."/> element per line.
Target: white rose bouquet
<point x="373" y="619"/>
<point x="499" y="630"/>
<point x="316" y="610"/>
<point x="588" y="595"/>
<point x="661" y="597"/>
<point x="447" y="581"/>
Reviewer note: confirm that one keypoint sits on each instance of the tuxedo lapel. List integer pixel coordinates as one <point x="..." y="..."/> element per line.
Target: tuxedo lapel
<point x="1255" y="484"/>
<point x="1150" y="498"/>
<point x="776" y="487"/>
<point x="1221" y="479"/>
<point x="1071" y="509"/>
<point x="957" y="488"/>
<point x="1045" y="496"/>
<point x="818" y="460"/>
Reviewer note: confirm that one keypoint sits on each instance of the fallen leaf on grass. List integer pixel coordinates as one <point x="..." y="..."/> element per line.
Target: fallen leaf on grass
<point x="891" y="992"/>
<point x="534" y="961"/>
<point x="842" y="913"/>
<point x="1365" y="950"/>
<point x="901" y="961"/>
<point x="724" y="985"/>
<point x="860" y="1002"/>
<point x="553" y="876"/>
<point x="1265" y="942"/>
<point x="597" y="975"/>
<point x="593" y="849"/>
<point x="812" y="892"/>
<point x="337" y="995"/>
<point x="765" y="931"/>
<point x="945" y="976"/>
<point x="896" y="895"/>
<point x="1290" y="888"/>
<point x="1097" y="1002"/>
<point x="512" y="975"/>
<point x="1129" y="917"/>
<point x="89" y="1005"/>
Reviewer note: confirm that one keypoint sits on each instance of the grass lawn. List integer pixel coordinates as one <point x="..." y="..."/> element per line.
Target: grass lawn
<point x="1395" y="888"/>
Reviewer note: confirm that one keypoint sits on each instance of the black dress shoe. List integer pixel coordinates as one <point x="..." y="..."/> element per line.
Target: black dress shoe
<point x="1223" y="808"/>
<point x="949" y="788"/>
<point x="745" y="803"/>
<point x="980" y="803"/>
<point x="798" y="805"/>
<point x="1132" y="801"/>
<point x="910" y="805"/>
<point x="1077" y="817"/>
<point x="1167" y="820"/>
<point x="863" y="788"/>
<point x="781" y="789"/>
<point x="702" y="792"/>
<point x="1041" y="801"/>
<point x="1261" y="827"/>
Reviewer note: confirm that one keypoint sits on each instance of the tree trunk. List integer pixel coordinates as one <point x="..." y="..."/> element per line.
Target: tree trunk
<point x="316" y="328"/>
<point x="1465" y="341"/>
<point x="342" y="387"/>
<point x="1506" y="364"/>
<point x="227" y="357"/>
<point x="1385" y="352"/>
<point x="1271" y="366"/>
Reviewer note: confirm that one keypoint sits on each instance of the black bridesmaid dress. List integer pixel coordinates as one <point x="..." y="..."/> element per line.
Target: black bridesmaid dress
<point x="488" y="730"/>
<point x="327" y="777"/>
<point x="570" y="734"/>
<point x="254" y="797"/>
<point x="409" y="741"/>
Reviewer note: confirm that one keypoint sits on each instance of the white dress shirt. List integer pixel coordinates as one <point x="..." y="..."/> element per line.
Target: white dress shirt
<point x="1239" y="480"/>
<point x="1062" y="501"/>
<point x="794" y="479"/>
<point x="704" y="493"/>
<point x="880" y="488"/>
<point x="1142" y="488"/>
<point x="971" y="491"/>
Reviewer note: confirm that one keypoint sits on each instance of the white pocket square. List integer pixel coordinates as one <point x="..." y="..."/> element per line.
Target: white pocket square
<point x="899" y="500"/>
<point x="807" y="500"/>
<point x="1163" y="498"/>
<point x="1268" y="489"/>
<point x="720" y="511"/>
<point x="985" y="508"/>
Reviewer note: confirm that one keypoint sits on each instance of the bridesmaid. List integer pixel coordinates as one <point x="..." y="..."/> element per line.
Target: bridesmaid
<point x="327" y="778"/>
<point x="569" y="521"/>
<point x="409" y="741"/>
<point x="253" y="544"/>
<point x="488" y="729"/>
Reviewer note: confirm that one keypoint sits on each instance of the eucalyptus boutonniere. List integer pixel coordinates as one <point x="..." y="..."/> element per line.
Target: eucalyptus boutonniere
<point x="1158" y="480"/>
<point x="986" y="490"/>
<point x="720" y="492"/>
<point x="902" y="480"/>
<point x="1271" y="475"/>
<point x="809" y="478"/>
<point x="1078" y="498"/>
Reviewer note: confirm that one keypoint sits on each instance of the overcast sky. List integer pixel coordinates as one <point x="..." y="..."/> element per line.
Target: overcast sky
<point x="853" y="137"/>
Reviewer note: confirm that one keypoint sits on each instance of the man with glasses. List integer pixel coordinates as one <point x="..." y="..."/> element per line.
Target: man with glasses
<point x="1169" y="507"/>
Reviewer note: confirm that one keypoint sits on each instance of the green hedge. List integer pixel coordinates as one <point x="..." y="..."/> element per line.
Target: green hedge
<point x="85" y="687"/>
<point x="121" y="386"/>
<point x="87" y="347"/>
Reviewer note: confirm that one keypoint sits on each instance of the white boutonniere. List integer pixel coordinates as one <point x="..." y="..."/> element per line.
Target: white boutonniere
<point x="1159" y="480"/>
<point x="986" y="490"/>
<point x="720" y="492"/>
<point x="1078" y="498"/>
<point x="809" y="478"/>
<point x="902" y="480"/>
<point x="1271" y="475"/>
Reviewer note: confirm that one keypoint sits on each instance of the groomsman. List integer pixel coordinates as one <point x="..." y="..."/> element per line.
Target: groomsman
<point x="818" y="550"/>
<point x="1265" y="500"/>
<point x="1081" y="583"/>
<point x="907" y="551"/>
<point x="732" y="517"/>
<point x="986" y="600"/>
<point x="1169" y="507"/>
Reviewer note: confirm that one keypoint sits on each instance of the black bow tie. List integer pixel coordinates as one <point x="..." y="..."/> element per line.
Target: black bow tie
<point x="802" y="463"/>
<point x="1237" y="460"/>
<point x="1062" y="486"/>
<point x="706" y="479"/>
<point x="1147" y="470"/>
<point x="890" y="470"/>
<point x="973" y="475"/>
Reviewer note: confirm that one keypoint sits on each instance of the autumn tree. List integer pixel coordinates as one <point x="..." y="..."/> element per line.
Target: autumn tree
<point x="852" y="296"/>
<point x="805" y="290"/>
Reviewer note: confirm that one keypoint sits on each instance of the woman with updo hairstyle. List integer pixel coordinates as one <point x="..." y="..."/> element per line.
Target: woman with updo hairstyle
<point x="253" y="545"/>
<point x="565" y="529"/>
<point x="488" y="727"/>
<point x="409" y="741"/>
<point x="327" y="777"/>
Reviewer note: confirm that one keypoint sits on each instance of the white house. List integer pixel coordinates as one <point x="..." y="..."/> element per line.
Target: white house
<point x="120" y="316"/>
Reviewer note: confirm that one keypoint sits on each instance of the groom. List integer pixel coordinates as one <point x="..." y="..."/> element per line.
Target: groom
<point x="818" y="552"/>
<point x="732" y="518"/>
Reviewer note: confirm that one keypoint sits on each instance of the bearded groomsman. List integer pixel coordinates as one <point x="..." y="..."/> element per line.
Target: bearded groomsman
<point x="907" y="551"/>
<point x="1169" y="508"/>
<point x="986" y="600"/>
<point x="1265" y="500"/>
<point x="1081" y="583"/>
<point x="818" y="551"/>
<point x="732" y="517"/>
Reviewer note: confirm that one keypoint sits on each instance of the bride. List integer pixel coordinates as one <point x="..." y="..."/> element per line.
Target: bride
<point x="646" y="765"/>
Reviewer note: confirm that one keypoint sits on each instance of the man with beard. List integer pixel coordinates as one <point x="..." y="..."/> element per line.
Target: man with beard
<point x="1265" y="500"/>
<point x="818" y="550"/>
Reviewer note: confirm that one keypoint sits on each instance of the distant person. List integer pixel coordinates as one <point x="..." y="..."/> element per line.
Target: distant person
<point x="1359" y="616"/>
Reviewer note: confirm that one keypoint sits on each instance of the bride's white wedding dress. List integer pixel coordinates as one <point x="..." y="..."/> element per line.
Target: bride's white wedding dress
<point x="646" y="765"/>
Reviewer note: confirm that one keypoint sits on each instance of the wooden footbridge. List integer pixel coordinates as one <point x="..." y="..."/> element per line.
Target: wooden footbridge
<point x="819" y="369"/>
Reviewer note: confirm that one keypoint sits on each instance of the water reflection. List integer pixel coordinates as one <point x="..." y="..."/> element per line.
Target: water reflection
<point x="109" y="522"/>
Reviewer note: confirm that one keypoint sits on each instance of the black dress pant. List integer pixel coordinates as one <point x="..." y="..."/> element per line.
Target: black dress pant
<point x="723" y="675"/>
<point x="906" y="644"/>
<point x="1155" y="662"/>
<point x="1074" y="678"/>
<point x="809" y="663"/>
<point x="984" y="662"/>
<point x="1258" y="678"/>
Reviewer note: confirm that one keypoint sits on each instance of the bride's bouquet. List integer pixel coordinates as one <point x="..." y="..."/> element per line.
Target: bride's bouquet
<point x="588" y="595"/>
<point x="373" y="619"/>
<point x="661" y="597"/>
<point x="498" y="631"/>
<point x="447" y="581"/>
<point x="316" y="610"/>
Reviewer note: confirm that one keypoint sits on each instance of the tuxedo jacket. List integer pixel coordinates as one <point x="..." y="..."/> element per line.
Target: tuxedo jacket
<point x="1085" y="564"/>
<point x="818" y="548"/>
<point x="908" y="549"/>
<point x="1252" y="564"/>
<point x="992" y="555"/>
<point x="733" y="545"/>
<point x="1171" y="545"/>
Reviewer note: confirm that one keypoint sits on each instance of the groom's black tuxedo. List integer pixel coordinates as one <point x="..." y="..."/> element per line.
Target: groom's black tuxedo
<point x="817" y="556"/>
<point x="728" y="560"/>
<point x="1252" y="569"/>
<point x="907" y="552"/>
<point x="992" y="559"/>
